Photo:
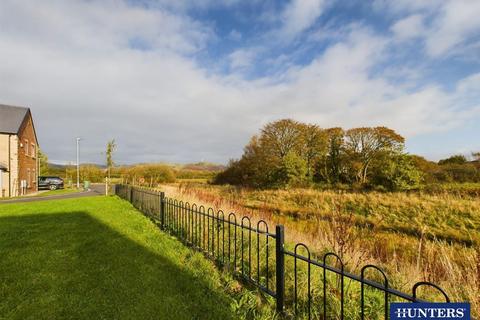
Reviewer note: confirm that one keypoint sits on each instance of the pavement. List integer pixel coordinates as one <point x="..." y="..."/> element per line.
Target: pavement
<point x="95" y="190"/>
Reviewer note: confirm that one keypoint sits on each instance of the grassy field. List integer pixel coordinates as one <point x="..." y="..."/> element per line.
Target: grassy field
<point x="413" y="237"/>
<point x="98" y="258"/>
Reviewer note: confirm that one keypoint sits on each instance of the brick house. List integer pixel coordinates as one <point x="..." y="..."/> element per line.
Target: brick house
<point x="18" y="152"/>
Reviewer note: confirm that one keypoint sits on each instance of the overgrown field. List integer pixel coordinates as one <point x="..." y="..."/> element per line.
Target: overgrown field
<point x="99" y="258"/>
<point x="414" y="237"/>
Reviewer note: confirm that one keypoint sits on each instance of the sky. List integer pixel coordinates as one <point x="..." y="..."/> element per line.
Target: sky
<point x="187" y="81"/>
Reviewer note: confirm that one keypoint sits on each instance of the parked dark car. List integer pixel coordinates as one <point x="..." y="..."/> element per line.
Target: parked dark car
<point x="50" y="182"/>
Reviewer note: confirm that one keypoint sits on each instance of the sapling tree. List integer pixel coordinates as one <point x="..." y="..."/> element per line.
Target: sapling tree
<point x="111" y="146"/>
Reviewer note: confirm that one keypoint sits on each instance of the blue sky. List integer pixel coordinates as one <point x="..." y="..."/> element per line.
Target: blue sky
<point x="185" y="81"/>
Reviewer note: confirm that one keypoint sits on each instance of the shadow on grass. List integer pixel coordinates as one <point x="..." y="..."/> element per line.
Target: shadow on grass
<point x="71" y="266"/>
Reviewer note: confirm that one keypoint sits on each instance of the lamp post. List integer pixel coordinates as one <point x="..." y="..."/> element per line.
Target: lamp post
<point x="78" y="163"/>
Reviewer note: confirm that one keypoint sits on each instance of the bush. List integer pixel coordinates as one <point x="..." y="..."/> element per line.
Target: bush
<point x="398" y="174"/>
<point x="148" y="174"/>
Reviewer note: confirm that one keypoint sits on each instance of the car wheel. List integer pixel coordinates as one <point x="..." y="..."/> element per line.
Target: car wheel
<point x="53" y="187"/>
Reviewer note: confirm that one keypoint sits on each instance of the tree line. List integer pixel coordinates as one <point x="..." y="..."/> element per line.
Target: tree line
<point x="288" y="153"/>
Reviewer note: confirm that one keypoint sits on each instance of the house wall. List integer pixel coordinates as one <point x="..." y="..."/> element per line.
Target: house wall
<point x="4" y="163"/>
<point x="10" y="176"/>
<point x="27" y="158"/>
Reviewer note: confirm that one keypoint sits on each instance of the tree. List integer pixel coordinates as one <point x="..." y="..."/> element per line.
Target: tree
<point x="332" y="162"/>
<point x="398" y="173"/>
<point x="315" y="145"/>
<point x="111" y="146"/>
<point x="293" y="171"/>
<point x="429" y="169"/>
<point x="148" y="174"/>
<point x="455" y="172"/>
<point x="476" y="156"/>
<point x="456" y="159"/>
<point x="91" y="173"/>
<point x="288" y="153"/>
<point x="43" y="163"/>
<point x="363" y="145"/>
<point x="281" y="137"/>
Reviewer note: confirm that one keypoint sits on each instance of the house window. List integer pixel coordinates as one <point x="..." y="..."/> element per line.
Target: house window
<point x="33" y="150"/>
<point x="26" y="147"/>
<point x="28" y="178"/>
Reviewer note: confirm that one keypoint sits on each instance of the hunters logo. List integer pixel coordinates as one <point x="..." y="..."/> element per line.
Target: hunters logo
<point x="430" y="311"/>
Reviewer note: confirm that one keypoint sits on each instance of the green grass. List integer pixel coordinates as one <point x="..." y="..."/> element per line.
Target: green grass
<point x="98" y="258"/>
<point x="47" y="193"/>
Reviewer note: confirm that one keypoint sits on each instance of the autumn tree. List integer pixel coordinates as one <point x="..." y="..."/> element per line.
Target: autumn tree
<point x="331" y="166"/>
<point x="363" y="145"/>
<point x="290" y="153"/>
<point x="148" y="174"/>
<point x="281" y="137"/>
<point x="314" y="146"/>
<point x="455" y="159"/>
<point x="91" y="173"/>
<point x="254" y="168"/>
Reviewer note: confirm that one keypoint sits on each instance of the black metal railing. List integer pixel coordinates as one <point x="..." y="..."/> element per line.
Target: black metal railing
<point x="310" y="289"/>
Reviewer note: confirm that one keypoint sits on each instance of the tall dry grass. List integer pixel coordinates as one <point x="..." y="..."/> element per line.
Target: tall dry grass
<point x="413" y="237"/>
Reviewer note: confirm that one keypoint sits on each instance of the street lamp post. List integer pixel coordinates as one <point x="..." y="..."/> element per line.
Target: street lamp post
<point x="78" y="163"/>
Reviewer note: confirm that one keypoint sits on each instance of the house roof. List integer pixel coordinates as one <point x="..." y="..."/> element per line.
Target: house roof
<point x="11" y="118"/>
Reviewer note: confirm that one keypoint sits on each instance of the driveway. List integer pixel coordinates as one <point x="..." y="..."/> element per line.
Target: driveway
<point x="95" y="190"/>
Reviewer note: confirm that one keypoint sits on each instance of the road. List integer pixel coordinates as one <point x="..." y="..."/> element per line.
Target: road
<point x="95" y="190"/>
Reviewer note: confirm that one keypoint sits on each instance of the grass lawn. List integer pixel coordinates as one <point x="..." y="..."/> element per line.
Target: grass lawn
<point x="98" y="258"/>
<point x="46" y="193"/>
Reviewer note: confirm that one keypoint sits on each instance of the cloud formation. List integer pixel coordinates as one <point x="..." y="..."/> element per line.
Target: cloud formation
<point x="299" y="15"/>
<point x="109" y="69"/>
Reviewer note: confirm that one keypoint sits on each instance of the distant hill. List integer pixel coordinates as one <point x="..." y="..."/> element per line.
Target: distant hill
<point x="204" y="166"/>
<point x="198" y="166"/>
<point x="56" y="166"/>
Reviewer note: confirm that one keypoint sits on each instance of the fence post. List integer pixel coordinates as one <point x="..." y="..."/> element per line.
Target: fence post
<point x="280" y="266"/>
<point x="162" y="210"/>
<point x="131" y="194"/>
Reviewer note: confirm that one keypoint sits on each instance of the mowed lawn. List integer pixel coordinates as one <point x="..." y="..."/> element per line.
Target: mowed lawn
<point x="98" y="258"/>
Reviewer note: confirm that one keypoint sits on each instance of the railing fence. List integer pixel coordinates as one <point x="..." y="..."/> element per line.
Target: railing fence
<point x="311" y="289"/>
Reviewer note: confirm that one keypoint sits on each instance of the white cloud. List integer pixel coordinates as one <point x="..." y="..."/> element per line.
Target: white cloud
<point x="75" y="66"/>
<point x="100" y="25"/>
<point x="457" y="21"/>
<point x="410" y="27"/>
<point x="242" y="58"/>
<point x="407" y="6"/>
<point x="452" y="23"/>
<point x="299" y="15"/>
